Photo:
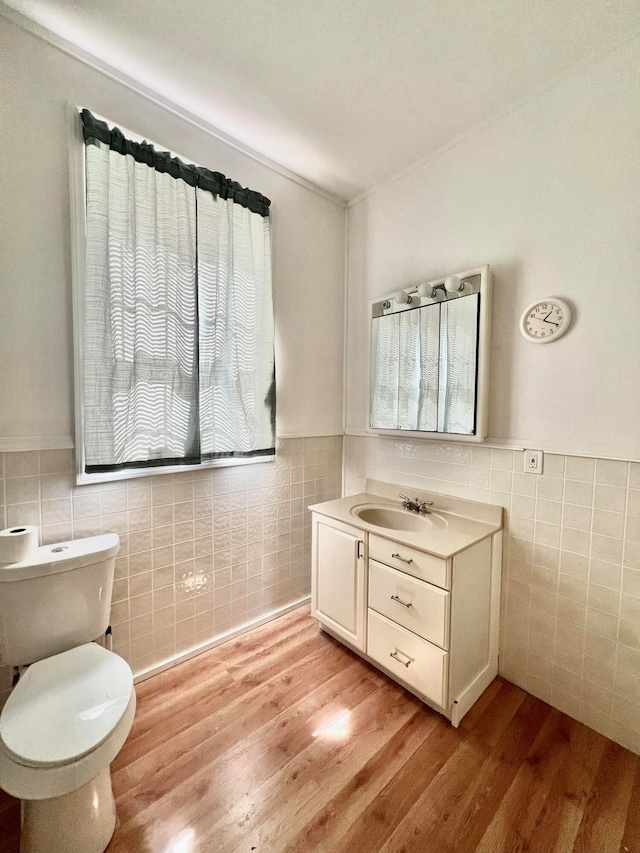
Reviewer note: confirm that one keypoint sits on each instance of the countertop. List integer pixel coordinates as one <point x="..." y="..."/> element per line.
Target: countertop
<point x="462" y="530"/>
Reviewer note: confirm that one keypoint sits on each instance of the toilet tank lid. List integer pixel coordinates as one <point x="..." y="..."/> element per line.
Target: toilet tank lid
<point x="62" y="557"/>
<point x="65" y="706"/>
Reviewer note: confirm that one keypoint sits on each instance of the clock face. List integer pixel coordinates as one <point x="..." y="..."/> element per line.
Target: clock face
<point x="545" y="321"/>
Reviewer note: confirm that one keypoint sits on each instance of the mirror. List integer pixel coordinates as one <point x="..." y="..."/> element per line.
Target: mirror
<point x="425" y="360"/>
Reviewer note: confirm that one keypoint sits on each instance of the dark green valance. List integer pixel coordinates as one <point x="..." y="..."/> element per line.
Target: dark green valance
<point x="162" y="161"/>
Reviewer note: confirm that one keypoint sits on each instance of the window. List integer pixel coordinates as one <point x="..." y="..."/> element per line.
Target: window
<point x="175" y="333"/>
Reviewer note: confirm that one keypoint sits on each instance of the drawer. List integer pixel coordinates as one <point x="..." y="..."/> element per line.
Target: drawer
<point x="417" y="563"/>
<point x="413" y="660"/>
<point x="414" y="604"/>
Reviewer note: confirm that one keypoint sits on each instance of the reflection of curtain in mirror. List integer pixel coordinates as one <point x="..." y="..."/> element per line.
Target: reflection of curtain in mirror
<point x="429" y="356"/>
<point x="409" y="363"/>
<point x="458" y="354"/>
<point x="384" y="372"/>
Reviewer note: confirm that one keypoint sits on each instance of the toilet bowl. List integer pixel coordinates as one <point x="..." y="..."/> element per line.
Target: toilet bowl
<point x="73" y="707"/>
<point x="64" y="723"/>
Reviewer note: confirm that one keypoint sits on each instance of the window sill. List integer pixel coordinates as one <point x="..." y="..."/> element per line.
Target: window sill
<point x="83" y="479"/>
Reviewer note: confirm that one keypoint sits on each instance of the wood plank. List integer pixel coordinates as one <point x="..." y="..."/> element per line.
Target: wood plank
<point x="335" y="819"/>
<point x="197" y="746"/>
<point x="528" y="793"/>
<point x="425" y="827"/>
<point x="276" y="811"/>
<point x="559" y="819"/>
<point x="631" y="838"/>
<point x="486" y="791"/>
<point x="385" y="813"/>
<point x="605" y="811"/>
<point x="242" y="764"/>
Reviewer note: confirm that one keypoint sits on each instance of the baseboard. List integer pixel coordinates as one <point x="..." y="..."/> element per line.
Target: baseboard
<point x="223" y="638"/>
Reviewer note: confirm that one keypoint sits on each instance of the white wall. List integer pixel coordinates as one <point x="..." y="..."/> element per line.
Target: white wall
<point x="549" y="195"/>
<point x="36" y="372"/>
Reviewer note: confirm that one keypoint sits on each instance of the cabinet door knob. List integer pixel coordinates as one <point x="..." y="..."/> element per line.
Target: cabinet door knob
<point x="402" y="559"/>
<point x="395" y="656"/>
<point x="360" y="542"/>
<point x="400" y="601"/>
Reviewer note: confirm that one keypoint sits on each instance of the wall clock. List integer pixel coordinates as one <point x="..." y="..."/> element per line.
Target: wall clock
<point x="545" y="320"/>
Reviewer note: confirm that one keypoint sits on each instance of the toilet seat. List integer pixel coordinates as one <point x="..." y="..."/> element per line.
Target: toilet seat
<point x="29" y="774"/>
<point x="65" y="706"/>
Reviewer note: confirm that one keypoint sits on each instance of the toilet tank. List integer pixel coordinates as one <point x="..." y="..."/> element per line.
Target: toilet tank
<point x="58" y="598"/>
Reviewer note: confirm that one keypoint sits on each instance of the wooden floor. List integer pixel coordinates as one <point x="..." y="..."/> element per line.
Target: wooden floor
<point x="282" y="741"/>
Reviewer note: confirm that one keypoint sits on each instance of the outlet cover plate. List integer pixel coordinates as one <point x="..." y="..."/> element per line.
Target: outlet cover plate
<point x="533" y="461"/>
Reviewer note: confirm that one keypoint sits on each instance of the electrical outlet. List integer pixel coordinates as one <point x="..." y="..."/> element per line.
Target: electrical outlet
<point x="533" y="461"/>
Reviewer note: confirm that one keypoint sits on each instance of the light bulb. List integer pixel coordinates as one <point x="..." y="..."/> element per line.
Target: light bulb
<point x="430" y="292"/>
<point x="402" y="297"/>
<point x="454" y="285"/>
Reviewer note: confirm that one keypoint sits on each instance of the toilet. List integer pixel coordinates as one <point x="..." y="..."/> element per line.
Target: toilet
<point x="72" y="709"/>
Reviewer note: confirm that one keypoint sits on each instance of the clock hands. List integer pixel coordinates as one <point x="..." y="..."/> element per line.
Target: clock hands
<point x="550" y="322"/>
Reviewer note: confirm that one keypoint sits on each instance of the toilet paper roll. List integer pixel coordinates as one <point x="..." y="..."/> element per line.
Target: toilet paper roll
<point x="17" y="543"/>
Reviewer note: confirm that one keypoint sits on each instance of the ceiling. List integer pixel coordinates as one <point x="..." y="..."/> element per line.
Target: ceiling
<point x="343" y="92"/>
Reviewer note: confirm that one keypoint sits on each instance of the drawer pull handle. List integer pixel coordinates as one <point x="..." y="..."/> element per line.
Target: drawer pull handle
<point x="402" y="559"/>
<point x="400" y="601"/>
<point x="399" y="659"/>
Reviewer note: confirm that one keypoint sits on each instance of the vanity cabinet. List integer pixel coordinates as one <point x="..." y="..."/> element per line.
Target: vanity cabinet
<point x="428" y="621"/>
<point x="338" y="589"/>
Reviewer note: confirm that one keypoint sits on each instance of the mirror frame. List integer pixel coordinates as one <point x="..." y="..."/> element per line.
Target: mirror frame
<point x="484" y="344"/>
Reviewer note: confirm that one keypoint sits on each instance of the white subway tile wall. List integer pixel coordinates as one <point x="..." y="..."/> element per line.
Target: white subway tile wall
<point x="202" y="553"/>
<point x="570" y="624"/>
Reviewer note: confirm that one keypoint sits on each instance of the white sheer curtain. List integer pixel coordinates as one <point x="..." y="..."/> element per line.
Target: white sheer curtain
<point x="139" y="355"/>
<point x="178" y="335"/>
<point x="404" y="374"/>
<point x="429" y="367"/>
<point x="235" y="328"/>
<point x="458" y="356"/>
<point x="409" y="369"/>
<point x="385" y="372"/>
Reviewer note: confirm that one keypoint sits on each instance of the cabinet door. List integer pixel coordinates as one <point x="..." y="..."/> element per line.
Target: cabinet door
<point x="338" y="595"/>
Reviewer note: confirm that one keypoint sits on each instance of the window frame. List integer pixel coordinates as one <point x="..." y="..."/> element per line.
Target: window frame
<point x="77" y="190"/>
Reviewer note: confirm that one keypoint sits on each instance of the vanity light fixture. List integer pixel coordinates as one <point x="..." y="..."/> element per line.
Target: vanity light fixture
<point x="451" y="287"/>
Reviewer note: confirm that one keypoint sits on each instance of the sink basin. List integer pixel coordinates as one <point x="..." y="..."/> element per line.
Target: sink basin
<point x="397" y="518"/>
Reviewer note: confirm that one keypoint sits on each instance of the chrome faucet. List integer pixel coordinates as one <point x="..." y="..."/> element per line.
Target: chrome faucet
<point x="415" y="506"/>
